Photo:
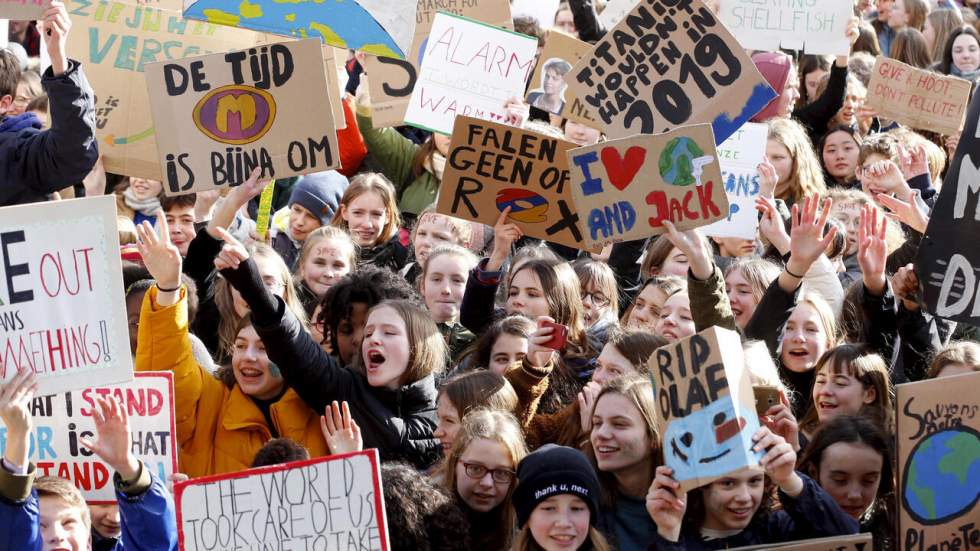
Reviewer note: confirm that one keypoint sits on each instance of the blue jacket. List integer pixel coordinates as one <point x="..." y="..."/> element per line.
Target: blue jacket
<point x="34" y="163"/>
<point x="149" y="521"/>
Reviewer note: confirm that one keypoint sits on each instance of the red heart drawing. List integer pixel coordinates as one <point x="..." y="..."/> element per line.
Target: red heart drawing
<point x="621" y="171"/>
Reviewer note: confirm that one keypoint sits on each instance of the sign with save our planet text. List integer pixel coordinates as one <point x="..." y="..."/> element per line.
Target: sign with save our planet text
<point x="814" y="26"/>
<point x="626" y="188"/>
<point x="468" y="68"/>
<point x="669" y="64"/>
<point x="219" y="116"/>
<point x="739" y="157"/>
<point x="62" y="313"/>
<point x="61" y="420"/>
<point x="918" y="97"/>
<point x="493" y="166"/>
<point x="329" y="503"/>
<point x="706" y="405"/>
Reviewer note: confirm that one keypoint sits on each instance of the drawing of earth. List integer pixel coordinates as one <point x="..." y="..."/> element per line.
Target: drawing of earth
<point x="676" y="161"/>
<point x="942" y="476"/>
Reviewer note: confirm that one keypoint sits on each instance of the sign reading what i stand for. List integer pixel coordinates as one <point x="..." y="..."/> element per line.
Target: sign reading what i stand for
<point x="329" y="503"/>
<point x="219" y="116"/>
<point x="62" y="313"/>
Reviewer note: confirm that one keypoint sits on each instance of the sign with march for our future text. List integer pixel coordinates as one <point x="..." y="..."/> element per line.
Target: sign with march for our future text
<point x="219" y="116"/>
<point x="739" y="157"/>
<point x="61" y="420"/>
<point x="938" y="427"/>
<point x="625" y="189"/>
<point x="706" y="406"/>
<point x="814" y="26"/>
<point x="918" y="97"/>
<point x="493" y="166"/>
<point x="468" y="68"/>
<point x="22" y="10"/>
<point x="669" y="64"/>
<point x="62" y="312"/>
<point x="328" y="503"/>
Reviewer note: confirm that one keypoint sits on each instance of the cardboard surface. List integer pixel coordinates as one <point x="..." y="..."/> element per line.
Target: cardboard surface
<point x="216" y="119"/>
<point x="814" y="26"/>
<point x="22" y="10"/>
<point x="918" y="97"/>
<point x="739" y="157"/>
<point x="660" y="69"/>
<point x="626" y="188"/>
<point x="62" y="306"/>
<point x="858" y="542"/>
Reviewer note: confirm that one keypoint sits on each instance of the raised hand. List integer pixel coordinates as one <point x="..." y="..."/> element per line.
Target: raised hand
<point x="886" y="177"/>
<point x="771" y="224"/>
<point x="54" y="26"/>
<point x="807" y="238"/>
<point x="15" y="398"/>
<point x="586" y="402"/>
<point x="113" y="444"/>
<point x="915" y="161"/>
<point x="690" y="243"/>
<point x="538" y="354"/>
<point x="914" y="213"/>
<point x="779" y="460"/>
<point x="516" y="112"/>
<point x="780" y="420"/>
<point x="905" y="285"/>
<point x="872" y="250"/>
<point x="232" y="253"/>
<point x="768" y="178"/>
<point x="666" y="504"/>
<point x="341" y="432"/>
<point x="225" y="212"/>
<point x="505" y="234"/>
<point x="161" y="257"/>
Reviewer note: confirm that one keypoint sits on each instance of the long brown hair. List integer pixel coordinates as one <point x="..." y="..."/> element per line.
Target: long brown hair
<point x="370" y="182"/>
<point x="427" y="347"/>
<point x="561" y="289"/>
<point x="862" y="363"/>
<point x="806" y="177"/>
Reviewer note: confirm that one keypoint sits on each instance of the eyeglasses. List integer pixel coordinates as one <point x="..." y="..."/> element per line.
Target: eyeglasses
<point x="477" y="472"/>
<point x="22" y="100"/>
<point x="597" y="298"/>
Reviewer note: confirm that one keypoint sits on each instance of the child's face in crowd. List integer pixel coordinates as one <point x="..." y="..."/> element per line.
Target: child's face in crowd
<point x="145" y="189"/>
<point x="366" y="216"/>
<point x="849" y="213"/>
<point x="483" y="494"/>
<point x="741" y="297"/>
<point x="966" y="53"/>
<point x="269" y="270"/>
<point x="134" y="302"/>
<point x="869" y="183"/>
<point x="316" y="329"/>
<point x="595" y="304"/>
<point x="955" y="369"/>
<point x="301" y="222"/>
<point x="839" y="394"/>
<point x="851" y="472"/>
<point x="675" y="321"/>
<point x="580" y="134"/>
<point x="105" y="520"/>
<point x="730" y="502"/>
<point x="675" y="264"/>
<point x="898" y="17"/>
<point x="180" y="222"/>
<point x="327" y="263"/>
<point x="646" y="308"/>
<point x="254" y="373"/>
<point x="804" y="339"/>
<point x="811" y="80"/>
<point x="619" y="436"/>
<point x="432" y="230"/>
<point x="612" y="364"/>
<point x="447" y="425"/>
<point x="506" y="350"/>
<point x="385" y="348"/>
<point x="560" y="523"/>
<point x="781" y="159"/>
<point x="735" y="247"/>
<point x="350" y="332"/>
<point x="443" y="287"/>
<point x="61" y="526"/>
<point x="840" y="156"/>
<point x="21" y="99"/>
<point x="526" y="295"/>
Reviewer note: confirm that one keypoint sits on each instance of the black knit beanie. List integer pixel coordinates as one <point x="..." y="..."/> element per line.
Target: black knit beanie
<point x="553" y="470"/>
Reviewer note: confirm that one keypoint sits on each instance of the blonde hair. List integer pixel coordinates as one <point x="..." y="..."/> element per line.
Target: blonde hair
<point x="63" y="489"/>
<point x="828" y="320"/>
<point x="944" y="21"/>
<point x="524" y="541"/>
<point x="917" y="11"/>
<point x="469" y="259"/>
<point x="327" y="233"/>
<point x="426" y="345"/>
<point x="956" y="352"/>
<point x="462" y="229"/>
<point x="369" y="182"/>
<point x="600" y="276"/>
<point x="127" y="230"/>
<point x="758" y="272"/>
<point x="806" y="175"/>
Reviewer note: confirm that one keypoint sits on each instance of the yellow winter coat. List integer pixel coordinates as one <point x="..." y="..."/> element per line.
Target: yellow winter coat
<point x="219" y="429"/>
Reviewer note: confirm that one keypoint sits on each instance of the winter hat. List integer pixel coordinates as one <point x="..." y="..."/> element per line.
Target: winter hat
<point x="319" y="193"/>
<point x="775" y="68"/>
<point x="554" y="470"/>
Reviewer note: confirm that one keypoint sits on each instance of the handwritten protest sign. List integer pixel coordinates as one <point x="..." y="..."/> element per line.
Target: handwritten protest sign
<point x="468" y="68"/>
<point x="22" y="10"/>
<point x="814" y="26"/>
<point x="392" y="80"/>
<point x="918" y="97"/>
<point x="62" y="312"/>
<point x="739" y="157"/>
<point x="662" y="68"/>
<point x="948" y="257"/>
<point x="673" y="176"/>
<point x="114" y="41"/>
<point x="857" y="542"/>
<point x="492" y="166"/>
<point x="332" y="502"/>
<point x="62" y="419"/>
<point x="220" y="116"/>
<point x="706" y="405"/>
<point x="547" y="85"/>
<point x="939" y="463"/>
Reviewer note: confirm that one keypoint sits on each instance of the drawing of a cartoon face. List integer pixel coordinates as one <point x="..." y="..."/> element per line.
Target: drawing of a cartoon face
<point x="709" y="442"/>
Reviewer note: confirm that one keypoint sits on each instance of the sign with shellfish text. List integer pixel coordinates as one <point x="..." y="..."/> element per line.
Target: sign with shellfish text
<point x="493" y="166"/>
<point x="625" y="189"/>
<point x="62" y="307"/>
<point x="814" y="26"/>
<point x="219" y="116"/>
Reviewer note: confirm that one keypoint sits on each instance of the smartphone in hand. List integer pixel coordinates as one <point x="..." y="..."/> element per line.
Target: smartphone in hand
<point x="559" y="335"/>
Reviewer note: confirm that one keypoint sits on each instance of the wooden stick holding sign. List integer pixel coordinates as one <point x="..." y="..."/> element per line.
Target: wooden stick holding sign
<point x="917" y="97"/>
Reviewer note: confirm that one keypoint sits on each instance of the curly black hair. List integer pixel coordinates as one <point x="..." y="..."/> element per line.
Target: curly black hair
<point x="278" y="451"/>
<point x="421" y="515"/>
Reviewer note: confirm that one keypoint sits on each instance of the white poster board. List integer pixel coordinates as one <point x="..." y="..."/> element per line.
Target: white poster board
<point x="740" y="156"/>
<point x="814" y="26"/>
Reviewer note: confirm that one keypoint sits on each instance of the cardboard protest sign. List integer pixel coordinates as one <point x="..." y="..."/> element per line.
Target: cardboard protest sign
<point x="391" y="81"/>
<point x="918" y="97"/>
<point x="333" y="66"/>
<point x="115" y="41"/>
<point x="333" y="502"/>
<point x="22" y="10"/>
<point x="62" y="419"/>
<point x="219" y="116"/>
<point x="379" y="27"/>
<point x="739" y="157"/>
<point x="857" y="542"/>
<point x="492" y="166"/>
<point x="673" y="176"/>
<point x="706" y="405"/>
<point x="659" y="69"/>
<point x="468" y="68"/>
<point x="816" y="27"/>
<point x="61" y="295"/>
<point x="548" y="90"/>
<point x="948" y="256"/>
<point x="939" y="463"/>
